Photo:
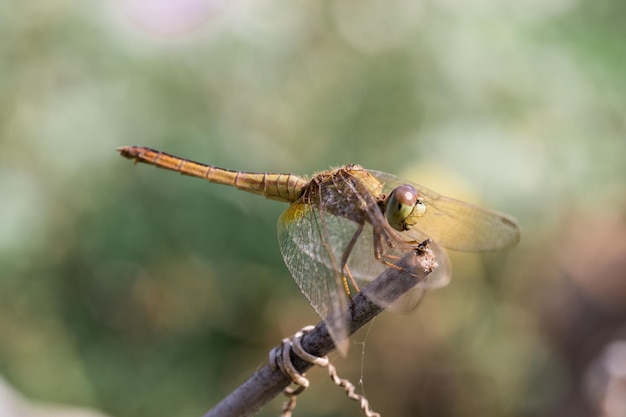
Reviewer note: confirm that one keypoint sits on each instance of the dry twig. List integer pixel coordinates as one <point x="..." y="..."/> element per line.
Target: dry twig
<point x="268" y="382"/>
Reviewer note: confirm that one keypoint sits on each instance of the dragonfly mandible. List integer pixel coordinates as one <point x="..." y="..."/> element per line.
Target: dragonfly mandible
<point x="344" y="226"/>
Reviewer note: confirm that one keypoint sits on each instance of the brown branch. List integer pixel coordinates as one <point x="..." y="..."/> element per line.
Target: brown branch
<point x="267" y="383"/>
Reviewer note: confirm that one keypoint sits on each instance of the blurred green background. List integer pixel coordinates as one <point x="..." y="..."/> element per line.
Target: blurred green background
<point x="138" y="292"/>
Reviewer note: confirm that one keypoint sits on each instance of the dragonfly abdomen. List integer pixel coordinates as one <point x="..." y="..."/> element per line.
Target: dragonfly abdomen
<point x="282" y="187"/>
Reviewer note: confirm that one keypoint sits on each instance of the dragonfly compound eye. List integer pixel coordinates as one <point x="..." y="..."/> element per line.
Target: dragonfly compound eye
<point x="402" y="203"/>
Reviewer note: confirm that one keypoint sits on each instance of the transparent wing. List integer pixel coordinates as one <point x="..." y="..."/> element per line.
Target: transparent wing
<point x="312" y="243"/>
<point x="365" y="267"/>
<point x="457" y="225"/>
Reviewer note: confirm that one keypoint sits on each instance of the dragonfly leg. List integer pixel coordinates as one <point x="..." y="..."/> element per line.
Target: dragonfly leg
<point x="345" y="271"/>
<point x="381" y="238"/>
<point x="352" y="281"/>
<point x="346" y="287"/>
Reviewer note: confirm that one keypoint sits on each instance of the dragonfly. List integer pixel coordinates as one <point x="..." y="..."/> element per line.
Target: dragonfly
<point x="345" y="226"/>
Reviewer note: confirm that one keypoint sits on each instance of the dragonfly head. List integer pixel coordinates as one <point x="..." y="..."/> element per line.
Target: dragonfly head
<point x="404" y="207"/>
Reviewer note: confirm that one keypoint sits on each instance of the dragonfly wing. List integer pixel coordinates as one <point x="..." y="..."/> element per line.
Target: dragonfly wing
<point x="455" y="224"/>
<point x="312" y="242"/>
<point x="408" y="301"/>
<point x="365" y="267"/>
<point x="440" y="277"/>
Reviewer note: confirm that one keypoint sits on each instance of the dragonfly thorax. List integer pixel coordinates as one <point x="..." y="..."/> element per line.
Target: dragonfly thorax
<point x="404" y="207"/>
